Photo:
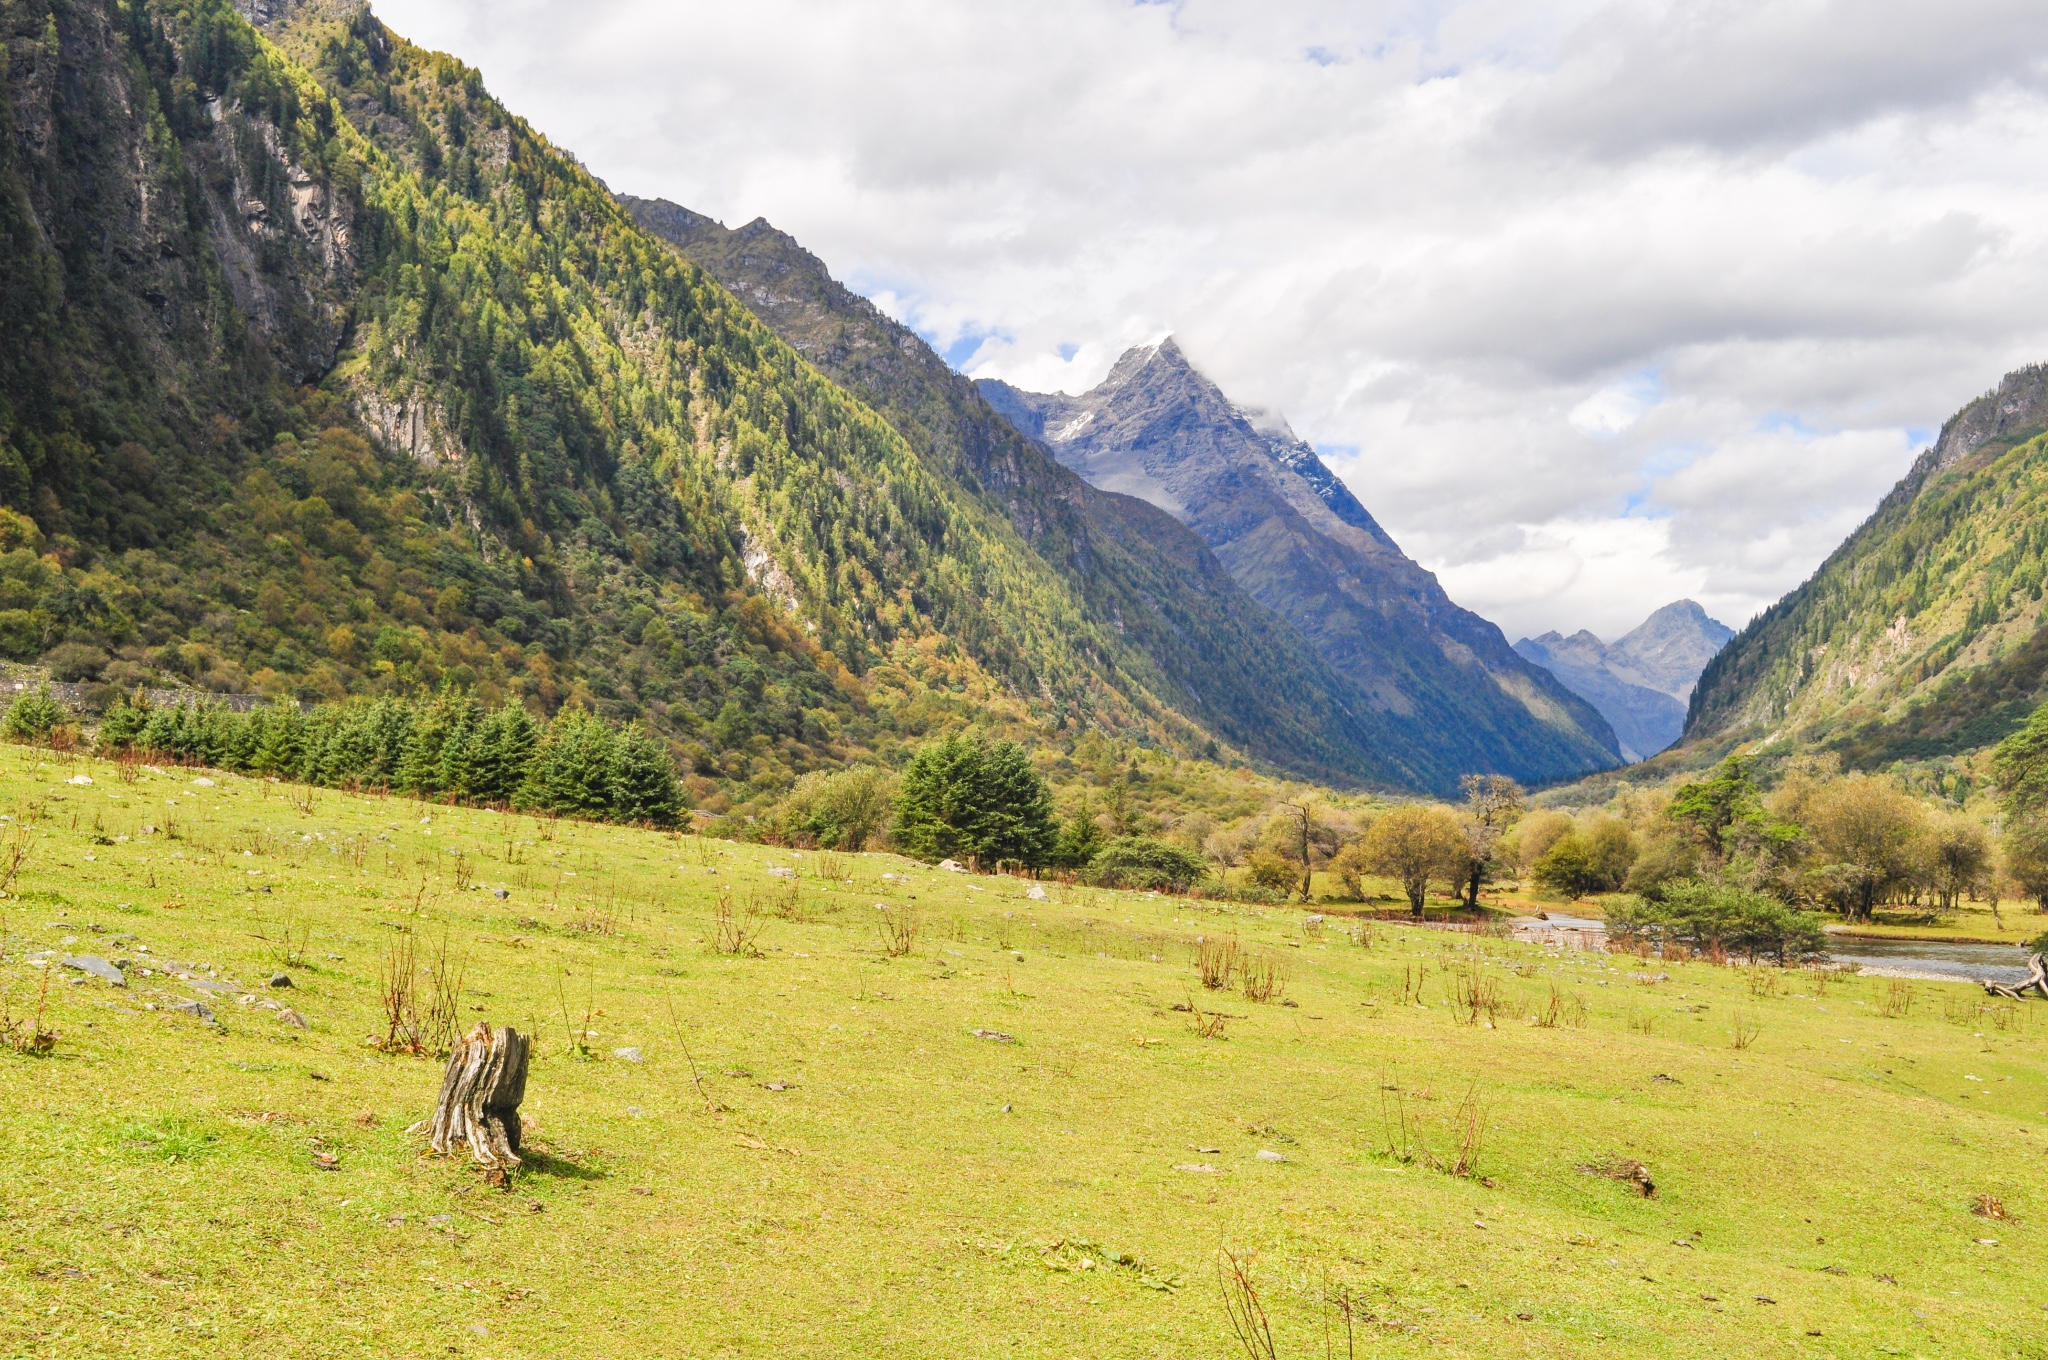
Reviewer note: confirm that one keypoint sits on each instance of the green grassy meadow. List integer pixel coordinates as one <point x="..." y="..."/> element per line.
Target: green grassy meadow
<point x="816" y="1156"/>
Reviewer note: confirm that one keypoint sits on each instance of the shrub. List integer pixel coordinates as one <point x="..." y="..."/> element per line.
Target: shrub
<point x="1141" y="862"/>
<point x="1706" y="916"/>
<point x="1270" y="870"/>
<point x="842" y="810"/>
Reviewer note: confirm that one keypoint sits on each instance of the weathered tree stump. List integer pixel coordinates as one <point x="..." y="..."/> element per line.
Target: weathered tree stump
<point x="2038" y="981"/>
<point x="480" y="1095"/>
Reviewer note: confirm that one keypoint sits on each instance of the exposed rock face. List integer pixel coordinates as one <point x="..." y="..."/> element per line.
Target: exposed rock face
<point x="1456" y="695"/>
<point x="1641" y="682"/>
<point x="1196" y="638"/>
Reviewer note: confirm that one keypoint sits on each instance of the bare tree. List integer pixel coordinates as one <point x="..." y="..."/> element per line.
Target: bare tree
<point x="1492" y="803"/>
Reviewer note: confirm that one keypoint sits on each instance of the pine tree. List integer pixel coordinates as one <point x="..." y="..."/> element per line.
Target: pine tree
<point x="495" y="763"/>
<point x="644" y="787"/>
<point x="572" y="774"/>
<point x="32" y="716"/>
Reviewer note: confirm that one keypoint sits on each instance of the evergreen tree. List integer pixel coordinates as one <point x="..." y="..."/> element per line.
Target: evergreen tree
<point x="493" y="765"/>
<point x="643" y="783"/>
<point x="123" y="723"/>
<point x="32" y="716"/>
<point x="572" y="774"/>
<point x="967" y="797"/>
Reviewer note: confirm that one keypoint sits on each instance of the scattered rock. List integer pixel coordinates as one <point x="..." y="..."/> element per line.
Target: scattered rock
<point x="1034" y="893"/>
<point x="195" y="1008"/>
<point x="781" y="871"/>
<point x="1201" y="1168"/>
<point x="627" y="1054"/>
<point x="1765" y="1298"/>
<point x="1833" y="1270"/>
<point x="500" y="894"/>
<point x="291" y="1017"/>
<point x="994" y="1036"/>
<point x="635" y="1111"/>
<point x="98" y="967"/>
<point x="643" y="1189"/>
<point x="319" y="1076"/>
<point x="894" y="878"/>
<point x="1526" y="1317"/>
<point x="440" y="1220"/>
<point x="327" y="1161"/>
<point x="952" y="866"/>
<point x="1268" y="1155"/>
<point x="778" y="1086"/>
<point x="79" y="779"/>
<point x="280" y="980"/>
<point x="1205" y="1151"/>
<point x="202" y="782"/>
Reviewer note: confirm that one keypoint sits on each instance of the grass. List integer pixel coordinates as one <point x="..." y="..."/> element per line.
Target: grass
<point x="817" y="1156"/>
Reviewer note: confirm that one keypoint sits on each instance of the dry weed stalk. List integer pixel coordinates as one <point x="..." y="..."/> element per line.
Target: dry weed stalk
<point x="898" y="926"/>
<point x="398" y="992"/>
<point x="1897" y="1001"/>
<point x="735" y="932"/>
<point x="1206" y="1024"/>
<point x="14" y="852"/>
<point x="1217" y="961"/>
<point x="1763" y="982"/>
<point x="1248" y="1321"/>
<point x="1262" y="977"/>
<point x="1558" y="1010"/>
<point x="1473" y="994"/>
<point x="443" y="1018"/>
<point x="1745" y="1032"/>
<point x="27" y="1035"/>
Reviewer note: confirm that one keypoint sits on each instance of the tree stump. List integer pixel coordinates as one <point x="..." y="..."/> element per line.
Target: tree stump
<point x="2037" y="981"/>
<point x="480" y="1095"/>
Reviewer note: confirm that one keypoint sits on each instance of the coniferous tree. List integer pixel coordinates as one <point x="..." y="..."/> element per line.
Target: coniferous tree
<point x="496" y="760"/>
<point x="572" y="773"/>
<point x="968" y="797"/>
<point x="643" y="783"/>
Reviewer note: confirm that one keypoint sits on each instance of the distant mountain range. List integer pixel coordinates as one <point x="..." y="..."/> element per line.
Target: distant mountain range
<point x="1456" y="697"/>
<point x="1641" y="681"/>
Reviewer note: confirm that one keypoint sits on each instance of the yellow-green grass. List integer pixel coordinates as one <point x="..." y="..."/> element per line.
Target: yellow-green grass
<point x="916" y="1190"/>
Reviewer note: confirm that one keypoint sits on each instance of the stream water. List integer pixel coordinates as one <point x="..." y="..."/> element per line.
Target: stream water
<point x="1933" y="960"/>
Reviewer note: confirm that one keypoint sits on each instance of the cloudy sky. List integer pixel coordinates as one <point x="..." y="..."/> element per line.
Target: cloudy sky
<point x="1594" y="304"/>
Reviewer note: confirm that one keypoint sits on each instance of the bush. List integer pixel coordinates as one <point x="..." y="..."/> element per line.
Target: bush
<point x="842" y="810"/>
<point x="1272" y="871"/>
<point x="32" y="716"/>
<point x="1706" y="916"/>
<point x="1142" y="862"/>
<point x="75" y="661"/>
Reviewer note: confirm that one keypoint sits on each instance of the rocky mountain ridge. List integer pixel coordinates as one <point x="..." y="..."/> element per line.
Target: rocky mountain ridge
<point x="1444" y="679"/>
<point x="1202" y="641"/>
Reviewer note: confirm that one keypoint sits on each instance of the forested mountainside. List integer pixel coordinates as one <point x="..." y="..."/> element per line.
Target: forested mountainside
<point x="1920" y="637"/>
<point x="1178" y="619"/>
<point x="1642" y="680"/>
<point x="1456" y="695"/>
<point x="322" y="374"/>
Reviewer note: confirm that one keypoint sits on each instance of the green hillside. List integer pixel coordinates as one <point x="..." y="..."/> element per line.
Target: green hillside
<point x="334" y="378"/>
<point x="1170" y="608"/>
<point x="1919" y="638"/>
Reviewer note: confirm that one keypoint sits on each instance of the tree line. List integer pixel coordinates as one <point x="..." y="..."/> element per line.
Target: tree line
<point x="448" y="747"/>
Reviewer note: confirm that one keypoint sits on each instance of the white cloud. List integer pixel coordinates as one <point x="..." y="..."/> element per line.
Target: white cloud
<point x="1615" y="300"/>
